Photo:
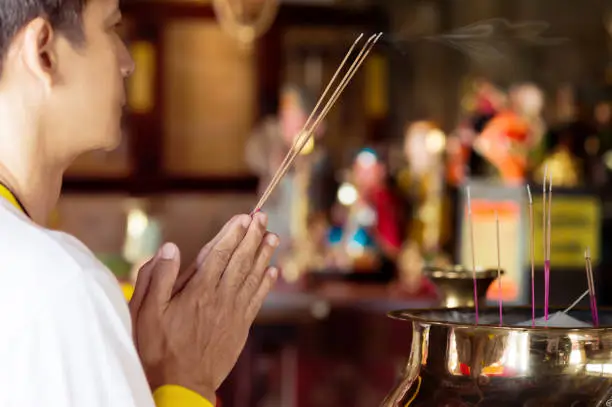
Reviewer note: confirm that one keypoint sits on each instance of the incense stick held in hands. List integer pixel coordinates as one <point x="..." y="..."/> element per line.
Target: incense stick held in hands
<point x="312" y="123"/>
<point x="471" y="223"/>
<point x="532" y="255"/>
<point x="591" y="284"/>
<point x="499" y="282"/>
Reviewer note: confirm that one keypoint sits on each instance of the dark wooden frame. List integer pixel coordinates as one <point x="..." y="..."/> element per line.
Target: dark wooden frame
<point x="147" y="139"/>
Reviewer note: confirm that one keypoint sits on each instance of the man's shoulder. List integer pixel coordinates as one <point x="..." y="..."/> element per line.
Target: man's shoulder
<point x="42" y="264"/>
<point x="28" y="250"/>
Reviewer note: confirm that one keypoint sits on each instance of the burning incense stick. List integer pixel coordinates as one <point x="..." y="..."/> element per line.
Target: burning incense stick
<point x="591" y="284"/>
<point x="309" y="128"/>
<point x="532" y="255"/>
<point x="550" y="184"/>
<point x="302" y="134"/>
<point x="546" y="240"/>
<point x="584" y="294"/>
<point x="471" y="222"/>
<point x="499" y="282"/>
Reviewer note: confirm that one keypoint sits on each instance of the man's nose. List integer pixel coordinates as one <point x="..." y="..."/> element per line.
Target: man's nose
<point x="127" y="69"/>
<point x="127" y="63"/>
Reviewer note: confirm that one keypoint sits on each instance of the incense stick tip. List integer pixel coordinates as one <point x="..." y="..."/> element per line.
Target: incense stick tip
<point x="529" y="195"/>
<point x="550" y="182"/>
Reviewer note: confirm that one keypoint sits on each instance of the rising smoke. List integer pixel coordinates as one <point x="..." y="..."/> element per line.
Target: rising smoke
<point x="487" y="40"/>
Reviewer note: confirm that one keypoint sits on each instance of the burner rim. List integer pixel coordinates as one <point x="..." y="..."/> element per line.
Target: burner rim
<point x="415" y="315"/>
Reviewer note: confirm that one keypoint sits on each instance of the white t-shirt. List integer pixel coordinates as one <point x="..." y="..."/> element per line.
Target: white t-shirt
<point x="65" y="328"/>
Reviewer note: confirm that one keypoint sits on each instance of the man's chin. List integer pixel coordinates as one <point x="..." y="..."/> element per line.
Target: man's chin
<point x="116" y="137"/>
<point x="114" y="142"/>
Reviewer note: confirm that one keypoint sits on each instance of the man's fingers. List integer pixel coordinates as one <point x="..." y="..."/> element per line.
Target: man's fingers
<point x="143" y="282"/>
<point x="262" y="261"/>
<point x="243" y="259"/>
<point x="266" y="285"/>
<point x="220" y="254"/>
<point x="164" y="273"/>
<point x="185" y="276"/>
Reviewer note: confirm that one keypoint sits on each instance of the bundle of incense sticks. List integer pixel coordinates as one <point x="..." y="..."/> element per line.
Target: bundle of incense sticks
<point x="471" y="223"/>
<point x="499" y="281"/>
<point x="591" y="285"/>
<point x="316" y="117"/>
<point x="532" y="255"/>
<point x="547" y="234"/>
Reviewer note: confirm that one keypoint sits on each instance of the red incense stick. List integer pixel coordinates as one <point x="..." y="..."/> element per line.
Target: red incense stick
<point x="471" y="222"/>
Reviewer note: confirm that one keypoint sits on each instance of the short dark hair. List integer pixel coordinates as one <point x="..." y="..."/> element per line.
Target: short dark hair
<point x="63" y="15"/>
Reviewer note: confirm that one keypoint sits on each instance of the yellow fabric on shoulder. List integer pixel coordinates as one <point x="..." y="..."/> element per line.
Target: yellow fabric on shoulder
<point x="128" y="290"/>
<point x="177" y="396"/>
<point x="8" y="195"/>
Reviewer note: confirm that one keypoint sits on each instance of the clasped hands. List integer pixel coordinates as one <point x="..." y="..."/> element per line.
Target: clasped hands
<point x="190" y="326"/>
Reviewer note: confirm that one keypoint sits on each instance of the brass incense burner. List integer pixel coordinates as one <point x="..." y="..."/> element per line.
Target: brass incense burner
<point x="455" y="363"/>
<point x="457" y="284"/>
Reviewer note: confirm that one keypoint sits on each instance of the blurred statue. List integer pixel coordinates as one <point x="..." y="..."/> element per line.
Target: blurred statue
<point x="509" y="137"/>
<point x="422" y="181"/>
<point x="482" y="100"/>
<point x="366" y="236"/>
<point x="527" y="100"/>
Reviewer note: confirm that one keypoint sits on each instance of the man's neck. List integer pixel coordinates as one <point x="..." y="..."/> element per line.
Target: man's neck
<point x="33" y="156"/>
<point x="28" y="165"/>
<point x="36" y="188"/>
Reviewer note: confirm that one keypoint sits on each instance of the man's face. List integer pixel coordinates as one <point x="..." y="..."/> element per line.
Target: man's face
<point x="87" y="98"/>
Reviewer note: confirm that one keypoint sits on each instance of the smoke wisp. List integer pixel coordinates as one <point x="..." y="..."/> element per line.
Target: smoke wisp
<point x="488" y="40"/>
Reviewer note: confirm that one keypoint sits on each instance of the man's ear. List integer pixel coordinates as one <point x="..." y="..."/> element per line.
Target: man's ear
<point x="38" y="52"/>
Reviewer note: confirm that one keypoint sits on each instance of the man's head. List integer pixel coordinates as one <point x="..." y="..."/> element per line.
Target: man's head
<point x="62" y="74"/>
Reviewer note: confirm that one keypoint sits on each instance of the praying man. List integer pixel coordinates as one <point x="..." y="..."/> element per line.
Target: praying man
<point x="67" y="336"/>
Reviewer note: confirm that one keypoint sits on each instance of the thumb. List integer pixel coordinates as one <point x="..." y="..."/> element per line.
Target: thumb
<point x="163" y="274"/>
<point x="142" y="287"/>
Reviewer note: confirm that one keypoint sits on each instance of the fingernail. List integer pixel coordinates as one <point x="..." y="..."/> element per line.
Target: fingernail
<point x="168" y="251"/>
<point x="273" y="272"/>
<point x="262" y="218"/>
<point x="245" y="221"/>
<point x="272" y="240"/>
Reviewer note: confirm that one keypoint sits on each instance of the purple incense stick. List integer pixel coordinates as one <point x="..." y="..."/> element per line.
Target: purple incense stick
<point x="499" y="282"/>
<point x="591" y="284"/>
<point x="546" y="287"/>
<point x="471" y="222"/>
<point x="531" y="250"/>
<point x="547" y="236"/>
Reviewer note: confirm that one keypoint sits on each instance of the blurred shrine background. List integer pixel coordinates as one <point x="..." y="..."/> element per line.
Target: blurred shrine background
<point x="485" y="92"/>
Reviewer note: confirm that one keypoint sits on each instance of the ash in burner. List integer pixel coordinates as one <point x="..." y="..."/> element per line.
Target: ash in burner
<point x="558" y="320"/>
<point x="513" y="317"/>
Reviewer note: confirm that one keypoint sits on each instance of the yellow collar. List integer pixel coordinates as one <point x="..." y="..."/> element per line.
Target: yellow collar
<point x="9" y="196"/>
